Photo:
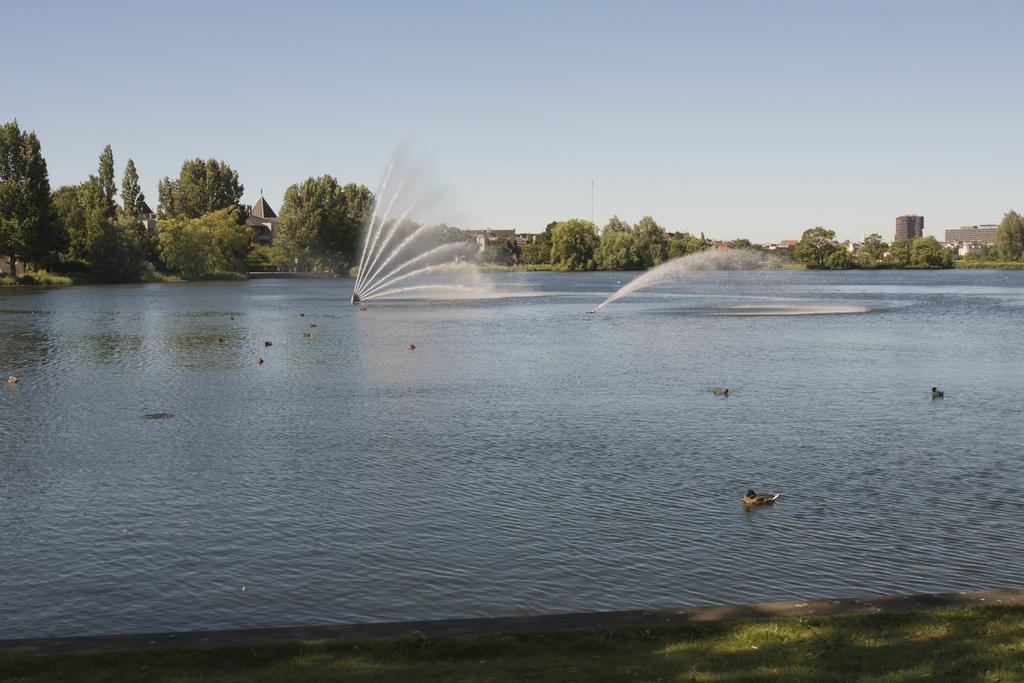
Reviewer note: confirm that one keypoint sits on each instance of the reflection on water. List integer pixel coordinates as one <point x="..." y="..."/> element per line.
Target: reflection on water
<point x="524" y="458"/>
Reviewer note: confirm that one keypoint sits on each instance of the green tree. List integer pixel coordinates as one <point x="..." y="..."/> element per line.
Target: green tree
<point x="198" y="247"/>
<point x="537" y="251"/>
<point x="106" y="179"/>
<point x="899" y="253"/>
<point x="616" y="250"/>
<point x="201" y="187"/>
<point x="67" y="202"/>
<point x="872" y="250"/>
<point x="131" y="192"/>
<point x="741" y="243"/>
<point x="501" y="251"/>
<point x="840" y="259"/>
<point x="650" y="243"/>
<point x="615" y="224"/>
<point x="117" y="252"/>
<point x="815" y="246"/>
<point x="926" y="252"/>
<point x="1010" y="237"/>
<point x="320" y="222"/>
<point x="29" y="229"/>
<point x="573" y="243"/>
<point x="685" y="244"/>
<point x="266" y="257"/>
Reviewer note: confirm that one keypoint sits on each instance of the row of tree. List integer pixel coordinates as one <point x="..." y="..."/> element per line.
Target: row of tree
<point x="818" y="248"/>
<point x="86" y="229"/>
<point x="577" y="244"/>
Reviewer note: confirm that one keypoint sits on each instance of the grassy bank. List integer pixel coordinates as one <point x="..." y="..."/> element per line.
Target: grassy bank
<point x="998" y="265"/>
<point x="521" y="268"/>
<point x="35" y="278"/>
<point x="42" y="278"/>
<point x="964" y="644"/>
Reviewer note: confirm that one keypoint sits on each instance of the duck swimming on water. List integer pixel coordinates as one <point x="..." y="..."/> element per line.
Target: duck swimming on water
<point x="719" y="391"/>
<point x="751" y="498"/>
<point x="936" y="393"/>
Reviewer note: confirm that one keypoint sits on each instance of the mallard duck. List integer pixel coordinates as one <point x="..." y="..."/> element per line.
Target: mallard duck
<point x="410" y="347"/>
<point x="936" y="393"/>
<point x="12" y="380"/>
<point x="719" y="391"/>
<point x="259" y="361"/>
<point x="268" y="343"/>
<point x="752" y="498"/>
<point x="305" y="334"/>
<point x="312" y="324"/>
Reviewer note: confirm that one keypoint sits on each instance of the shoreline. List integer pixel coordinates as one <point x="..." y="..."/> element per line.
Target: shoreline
<point x="443" y="628"/>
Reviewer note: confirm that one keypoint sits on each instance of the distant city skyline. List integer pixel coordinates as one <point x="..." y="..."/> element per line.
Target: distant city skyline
<point x="737" y="119"/>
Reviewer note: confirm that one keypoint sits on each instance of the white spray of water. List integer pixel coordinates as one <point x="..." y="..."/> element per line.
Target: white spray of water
<point x="733" y="259"/>
<point x="444" y="251"/>
<point x="401" y="256"/>
<point x="373" y="217"/>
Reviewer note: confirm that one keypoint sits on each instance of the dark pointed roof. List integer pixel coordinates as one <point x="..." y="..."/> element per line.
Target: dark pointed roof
<point x="144" y="210"/>
<point x="262" y="210"/>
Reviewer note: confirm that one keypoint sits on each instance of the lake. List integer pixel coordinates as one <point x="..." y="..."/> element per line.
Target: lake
<point x="525" y="458"/>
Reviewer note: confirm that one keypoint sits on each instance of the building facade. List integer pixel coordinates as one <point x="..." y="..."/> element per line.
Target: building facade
<point x="147" y="218"/>
<point x="264" y="220"/>
<point x="909" y="227"/>
<point x="973" y="234"/>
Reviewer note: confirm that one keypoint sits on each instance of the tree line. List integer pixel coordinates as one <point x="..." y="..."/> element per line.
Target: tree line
<point x="87" y="230"/>
<point x="577" y="244"/>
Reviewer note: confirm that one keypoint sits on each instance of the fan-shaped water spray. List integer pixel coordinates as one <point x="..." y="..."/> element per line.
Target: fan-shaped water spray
<point x="400" y="257"/>
<point x="733" y="259"/>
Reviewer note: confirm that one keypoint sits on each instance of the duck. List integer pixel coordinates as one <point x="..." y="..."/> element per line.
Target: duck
<point x="302" y="315"/>
<point x="312" y="324"/>
<point x="259" y="360"/>
<point x="268" y="343"/>
<point x="12" y="380"/>
<point x="751" y="498"/>
<point x="937" y="393"/>
<point x="220" y="340"/>
<point x="305" y="334"/>
<point x="410" y="347"/>
<point x="719" y="391"/>
<point x="362" y="308"/>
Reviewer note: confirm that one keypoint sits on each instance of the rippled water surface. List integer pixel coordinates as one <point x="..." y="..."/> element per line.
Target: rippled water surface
<point x="525" y="458"/>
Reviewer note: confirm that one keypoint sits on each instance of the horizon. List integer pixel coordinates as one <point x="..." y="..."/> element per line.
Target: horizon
<point x="738" y="121"/>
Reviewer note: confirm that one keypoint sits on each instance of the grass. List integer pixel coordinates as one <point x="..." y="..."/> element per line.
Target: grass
<point x="1000" y="265"/>
<point x="154" y="275"/>
<point x="519" y="268"/>
<point x="229" y="275"/>
<point x="36" y="278"/>
<point x="959" y="644"/>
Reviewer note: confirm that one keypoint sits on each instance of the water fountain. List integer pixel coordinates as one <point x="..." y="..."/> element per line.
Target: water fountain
<point x="733" y="259"/>
<point x="402" y="258"/>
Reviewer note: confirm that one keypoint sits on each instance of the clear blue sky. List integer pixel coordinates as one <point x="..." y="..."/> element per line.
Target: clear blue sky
<point x="739" y="119"/>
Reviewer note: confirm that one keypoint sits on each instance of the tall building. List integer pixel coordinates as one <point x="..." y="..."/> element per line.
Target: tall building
<point x="909" y="227"/>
